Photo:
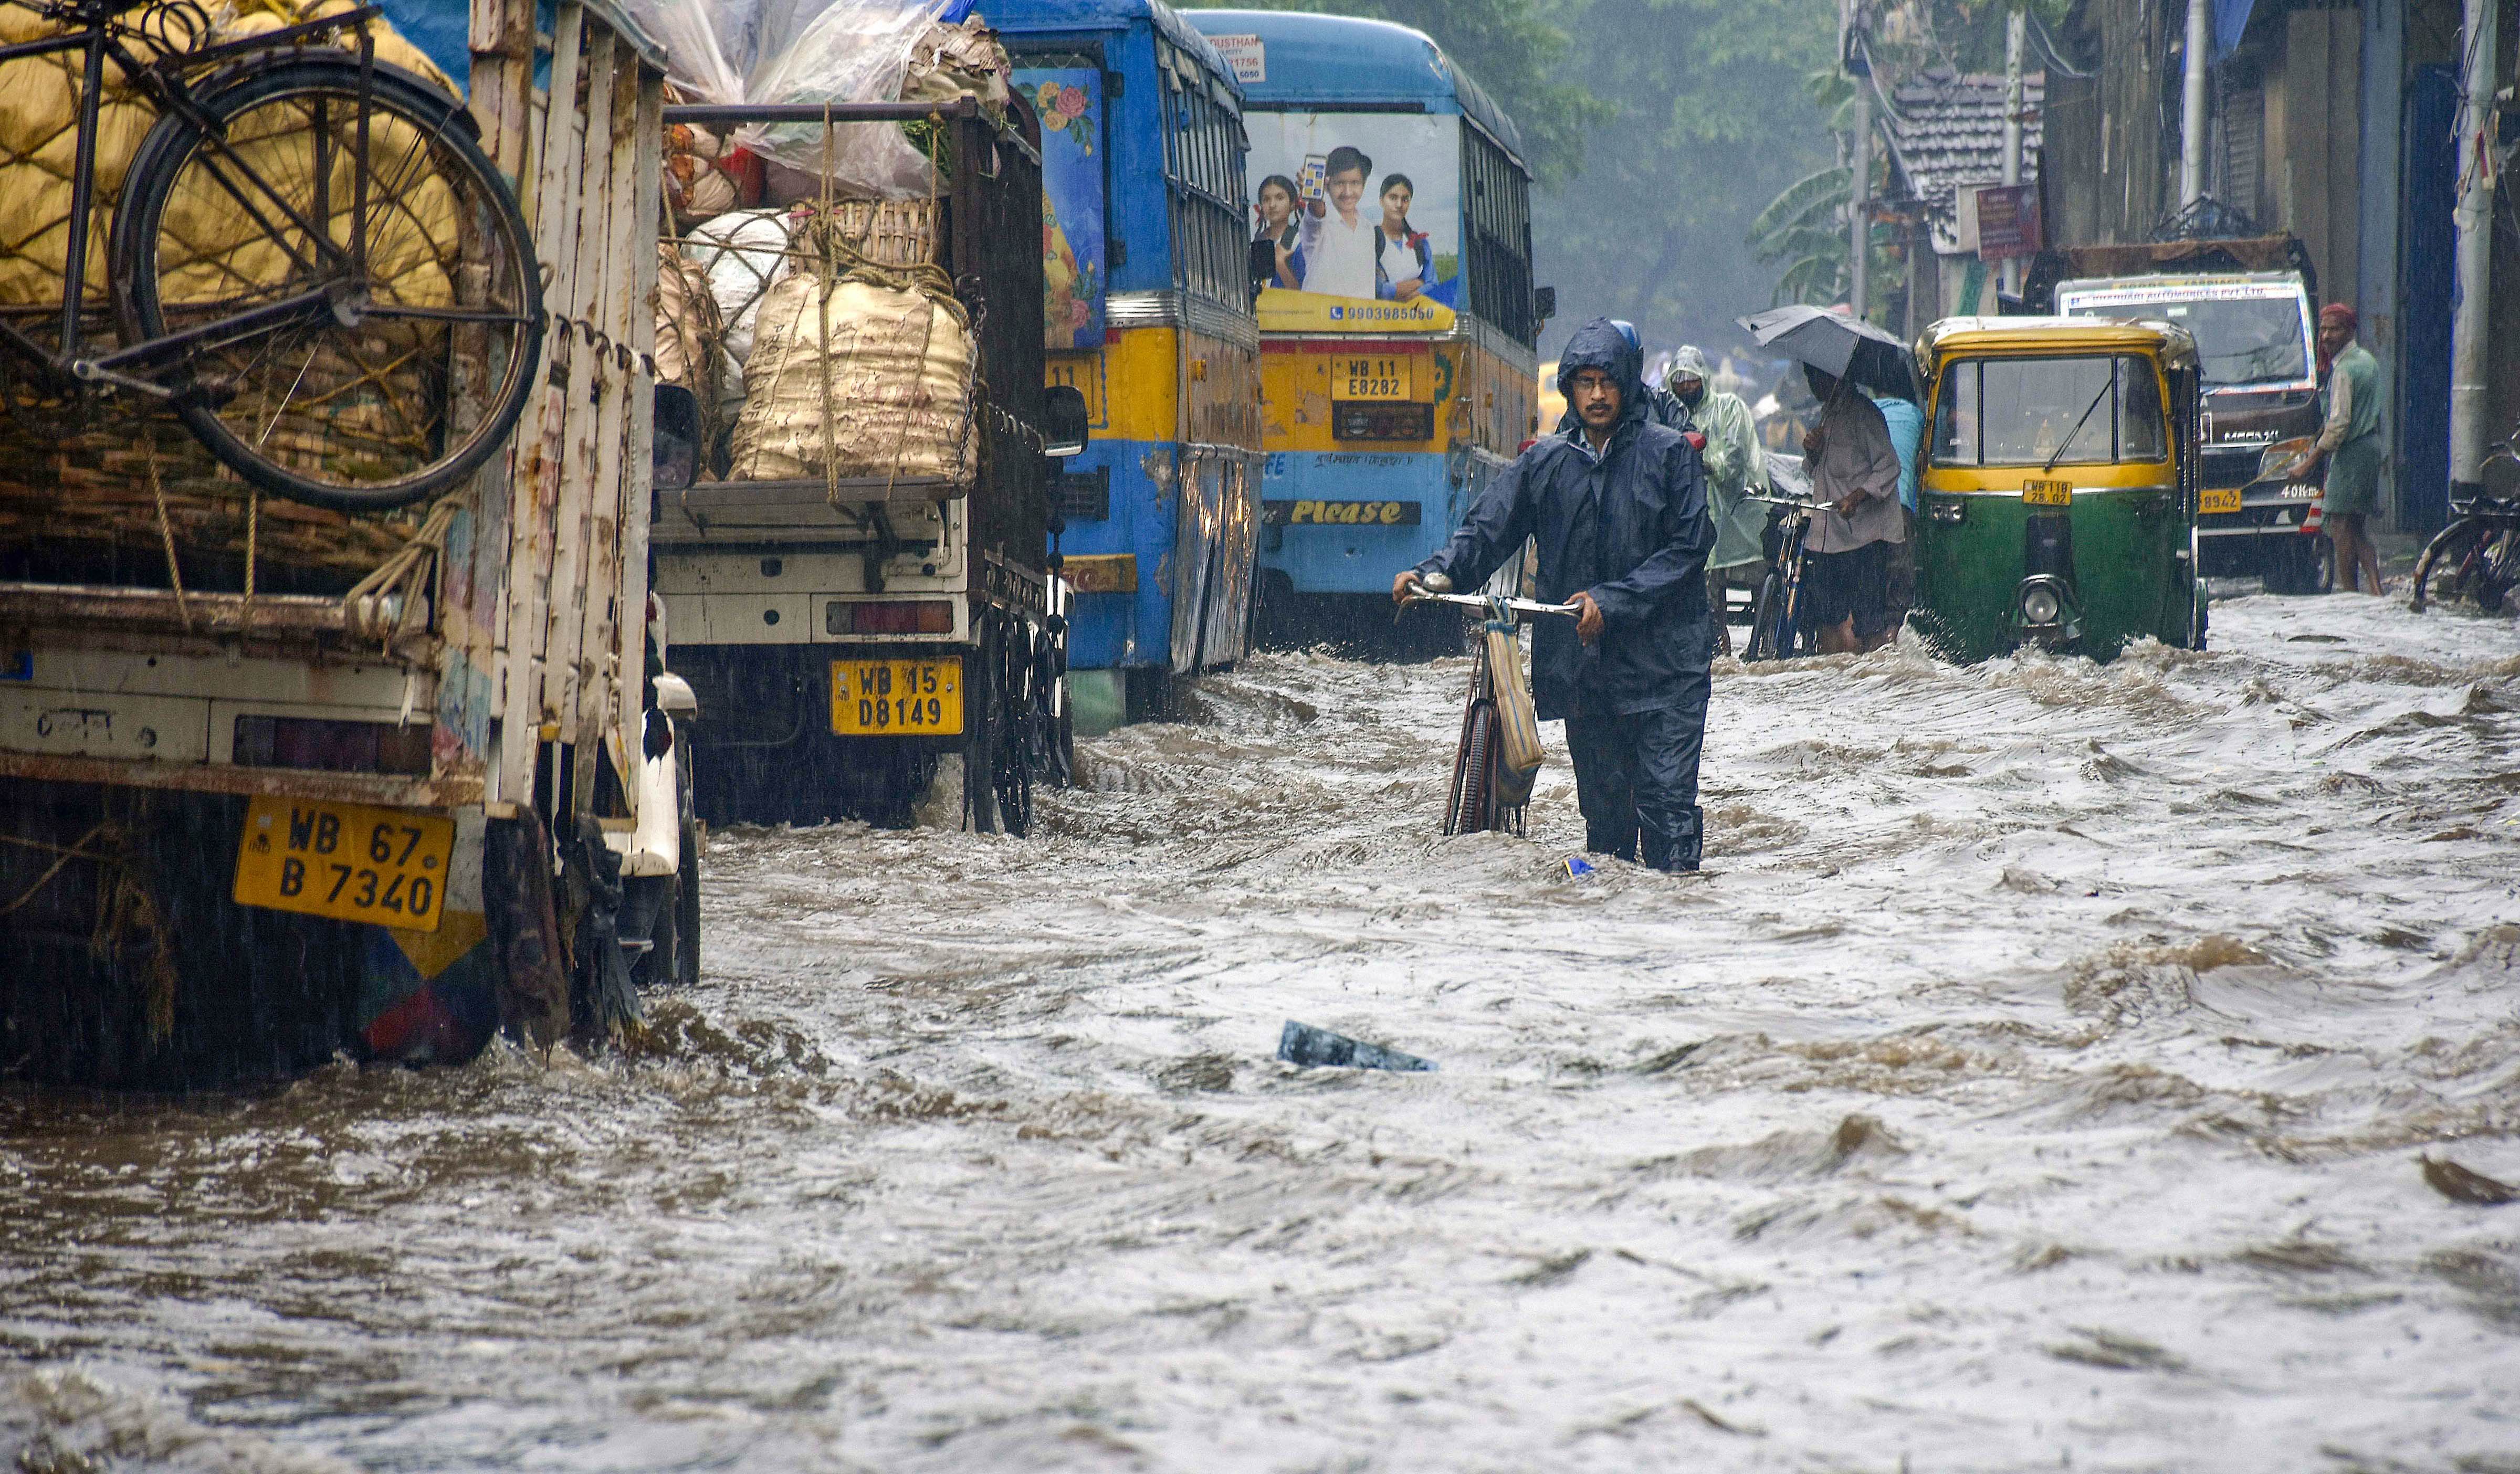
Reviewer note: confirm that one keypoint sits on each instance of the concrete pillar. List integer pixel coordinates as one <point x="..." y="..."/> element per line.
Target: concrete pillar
<point x="2192" y="106"/>
<point x="2014" y="37"/>
<point x="2474" y="220"/>
<point x="2379" y="163"/>
<point x="1860" y="205"/>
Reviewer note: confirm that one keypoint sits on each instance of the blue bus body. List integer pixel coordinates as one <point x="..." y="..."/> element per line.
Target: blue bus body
<point x="1148" y="315"/>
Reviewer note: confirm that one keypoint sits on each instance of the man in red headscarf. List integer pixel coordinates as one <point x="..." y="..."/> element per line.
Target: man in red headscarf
<point x="2350" y="444"/>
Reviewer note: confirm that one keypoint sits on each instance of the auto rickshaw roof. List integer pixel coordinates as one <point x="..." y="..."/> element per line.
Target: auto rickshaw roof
<point x="2055" y="334"/>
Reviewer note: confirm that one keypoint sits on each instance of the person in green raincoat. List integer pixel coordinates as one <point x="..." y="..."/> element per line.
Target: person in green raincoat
<point x="1736" y="467"/>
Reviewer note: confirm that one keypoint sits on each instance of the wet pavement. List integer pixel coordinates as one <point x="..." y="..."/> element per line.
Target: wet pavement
<point x="2036" y="1078"/>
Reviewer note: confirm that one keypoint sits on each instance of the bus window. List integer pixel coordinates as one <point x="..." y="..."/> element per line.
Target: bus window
<point x="1203" y="170"/>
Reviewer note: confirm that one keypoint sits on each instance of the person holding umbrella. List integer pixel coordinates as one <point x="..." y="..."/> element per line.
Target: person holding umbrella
<point x="1854" y="467"/>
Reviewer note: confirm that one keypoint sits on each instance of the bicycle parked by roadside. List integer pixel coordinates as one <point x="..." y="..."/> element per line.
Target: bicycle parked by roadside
<point x="2476" y="558"/>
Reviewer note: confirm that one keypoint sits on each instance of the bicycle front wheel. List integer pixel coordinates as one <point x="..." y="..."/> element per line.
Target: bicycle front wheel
<point x="354" y="283"/>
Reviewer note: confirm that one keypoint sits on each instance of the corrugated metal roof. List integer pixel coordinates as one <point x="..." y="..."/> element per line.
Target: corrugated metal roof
<point x="1946" y="132"/>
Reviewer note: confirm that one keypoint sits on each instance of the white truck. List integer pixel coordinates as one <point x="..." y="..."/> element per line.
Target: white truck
<point x="2256" y="333"/>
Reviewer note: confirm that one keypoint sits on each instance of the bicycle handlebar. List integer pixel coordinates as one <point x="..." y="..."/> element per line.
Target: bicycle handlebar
<point x="1515" y="606"/>
<point x="1754" y="496"/>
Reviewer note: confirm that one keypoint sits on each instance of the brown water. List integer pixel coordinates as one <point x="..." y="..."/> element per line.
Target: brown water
<point x="2036" y="1079"/>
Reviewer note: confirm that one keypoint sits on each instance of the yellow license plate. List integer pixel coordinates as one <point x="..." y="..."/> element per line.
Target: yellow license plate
<point x="349" y="862"/>
<point x="1378" y="375"/>
<point x="2218" y="499"/>
<point x="2047" y="493"/>
<point x="897" y="698"/>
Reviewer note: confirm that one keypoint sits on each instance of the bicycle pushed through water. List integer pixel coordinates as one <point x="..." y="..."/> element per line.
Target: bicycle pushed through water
<point x="311" y="262"/>
<point x="1498" y="754"/>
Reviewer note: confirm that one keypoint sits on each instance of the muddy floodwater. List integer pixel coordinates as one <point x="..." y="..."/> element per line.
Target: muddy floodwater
<point x="2036" y="1078"/>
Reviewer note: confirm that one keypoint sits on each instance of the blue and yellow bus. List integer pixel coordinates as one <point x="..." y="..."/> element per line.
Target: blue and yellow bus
<point x="1149" y="315"/>
<point x="1390" y="246"/>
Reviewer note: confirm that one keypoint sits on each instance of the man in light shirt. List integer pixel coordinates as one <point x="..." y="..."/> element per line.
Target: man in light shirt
<point x="1846" y="564"/>
<point x="2351" y="444"/>
<point x="1336" y="255"/>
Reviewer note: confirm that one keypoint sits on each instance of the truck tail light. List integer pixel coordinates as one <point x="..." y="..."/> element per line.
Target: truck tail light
<point x="330" y="746"/>
<point x="900" y="617"/>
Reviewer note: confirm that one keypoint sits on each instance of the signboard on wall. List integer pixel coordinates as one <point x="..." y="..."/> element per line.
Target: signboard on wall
<point x="1073" y="262"/>
<point x="1356" y="220"/>
<point x="2008" y="222"/>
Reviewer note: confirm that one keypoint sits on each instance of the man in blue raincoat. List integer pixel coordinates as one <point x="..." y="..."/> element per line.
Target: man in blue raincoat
<point x="1618" y="508"/>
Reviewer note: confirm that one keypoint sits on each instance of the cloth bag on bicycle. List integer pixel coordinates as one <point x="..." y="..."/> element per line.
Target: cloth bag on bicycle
<point x="1519" y="754"/>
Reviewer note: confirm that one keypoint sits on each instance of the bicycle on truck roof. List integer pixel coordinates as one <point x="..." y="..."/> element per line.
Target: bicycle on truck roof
<point x="309" y="246"/>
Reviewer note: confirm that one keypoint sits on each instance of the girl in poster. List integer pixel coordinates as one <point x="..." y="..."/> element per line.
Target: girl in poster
<point x="1273" y="247"/>
<point x="1403" y="263"/>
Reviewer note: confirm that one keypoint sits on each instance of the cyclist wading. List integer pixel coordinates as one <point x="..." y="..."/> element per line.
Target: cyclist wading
<point x="1618" y="509"/>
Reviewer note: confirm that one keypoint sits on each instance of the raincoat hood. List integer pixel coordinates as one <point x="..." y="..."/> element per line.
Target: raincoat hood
<point x="1689" y="363"/>
<point x="1598" y="344"/>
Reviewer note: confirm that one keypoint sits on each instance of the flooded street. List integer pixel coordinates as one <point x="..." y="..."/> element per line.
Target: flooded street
<point x="2036" y="1078"/>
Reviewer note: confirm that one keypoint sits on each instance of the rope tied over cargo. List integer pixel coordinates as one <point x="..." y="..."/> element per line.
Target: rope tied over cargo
<point x="77" y="849"/>
<point x="826" y="398"/>
<point x="391" y="602"/>
<point x="166" y="531"/>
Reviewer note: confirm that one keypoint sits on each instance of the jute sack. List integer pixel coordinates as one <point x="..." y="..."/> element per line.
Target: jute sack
<point x="859" y="379"/>
<point x="688" y="349"/>
<point x="1519" y="756"/>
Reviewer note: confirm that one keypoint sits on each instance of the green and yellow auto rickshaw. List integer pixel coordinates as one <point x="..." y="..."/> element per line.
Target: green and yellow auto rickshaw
<point x="2057" y="496"/>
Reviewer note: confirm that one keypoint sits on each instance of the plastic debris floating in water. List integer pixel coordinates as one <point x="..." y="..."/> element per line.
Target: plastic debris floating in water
<point x="2462" y="1186"/>
<point x="1577" y="866"/>
<point x="1305" y="1045"/>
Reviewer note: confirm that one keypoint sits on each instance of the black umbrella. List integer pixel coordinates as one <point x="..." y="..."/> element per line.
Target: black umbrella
<point x="1836" y="343"/>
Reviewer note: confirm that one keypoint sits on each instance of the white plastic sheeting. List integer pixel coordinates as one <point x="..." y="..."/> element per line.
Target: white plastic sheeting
<point x="802" y="51"/>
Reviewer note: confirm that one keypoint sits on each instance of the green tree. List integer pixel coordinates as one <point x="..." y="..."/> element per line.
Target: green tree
<point x="1711" y="123"/>
<point x="1509" y="48"/>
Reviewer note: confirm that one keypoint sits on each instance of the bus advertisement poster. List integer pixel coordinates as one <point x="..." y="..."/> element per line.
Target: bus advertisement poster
<point x="1073" y="260"/>
<point x="1356" y="220"/>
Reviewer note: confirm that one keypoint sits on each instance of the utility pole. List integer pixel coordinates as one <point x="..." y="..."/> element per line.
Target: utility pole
<point x="2192" y="106"/>
<point x="2473" y="221"/>
<point x="1860" y="244"/>
<point x="2013" y="37"/>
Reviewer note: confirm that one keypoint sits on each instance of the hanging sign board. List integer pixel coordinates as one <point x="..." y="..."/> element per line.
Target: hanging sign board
<point x="2007" y="222"/>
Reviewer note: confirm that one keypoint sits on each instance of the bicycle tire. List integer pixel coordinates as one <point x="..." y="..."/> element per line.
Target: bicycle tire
<point x="2462" y="535"/>
<point x="368" y="419"/>
<point x="1761" y="641"/>
<point x="1477" y="812"/>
